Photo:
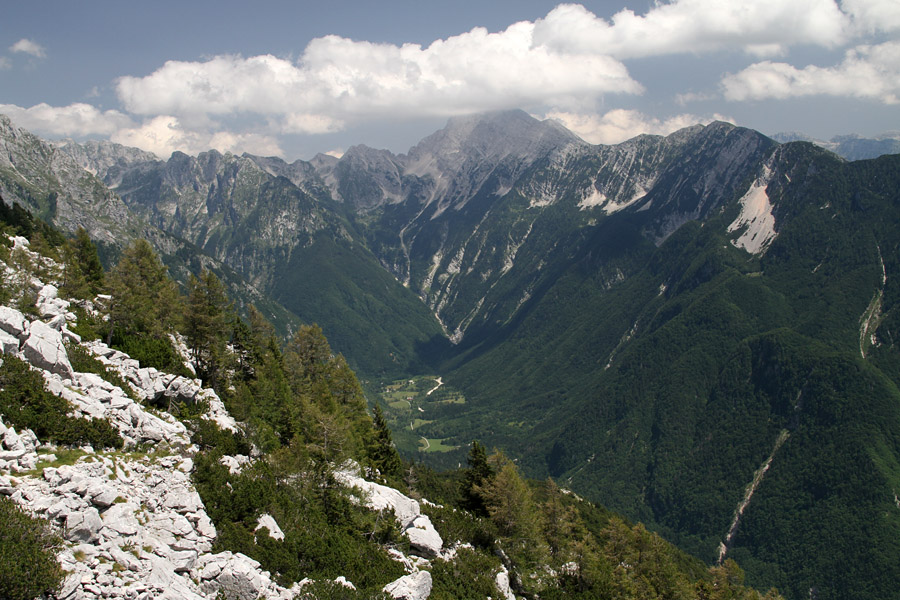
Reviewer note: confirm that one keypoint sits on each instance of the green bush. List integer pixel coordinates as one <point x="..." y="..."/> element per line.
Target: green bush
<point x="150" y="351"/>
<point x="26" y="404"/>
<point x="207" y="435"/>
<point x="28" y="566"/>
<point x="469" y="575"/>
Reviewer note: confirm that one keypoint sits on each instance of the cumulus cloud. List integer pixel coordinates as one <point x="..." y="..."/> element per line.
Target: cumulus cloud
<point x="339" y="80"/>
<point x="564" y="64"/>
<point x="871" y="72"/>
<point x="77" y="120"/>
<point x="761" y="27"/>
<point x="871" y="16"/>
<point x="620" y="124"/>
<point x="27" y="46"/>
<point x="164" y="134"/>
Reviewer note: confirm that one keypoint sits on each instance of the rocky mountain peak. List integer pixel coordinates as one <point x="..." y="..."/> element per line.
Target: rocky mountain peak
<point x="107" y="160"/>
<point x="487" y="137"/>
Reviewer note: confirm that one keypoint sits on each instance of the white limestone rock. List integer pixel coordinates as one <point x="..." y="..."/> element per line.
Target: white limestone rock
<point x="502" y="582"/>
<point x="9" y="344"/>
<point x="44" y="349"/>
<point x="237" y="575"/>
<point x="416" y="586"/>
<point x="342" y="581"/>
<point x="13" y="322"/>
<point x="422" y="535"/>
<point x="83" y="526"/>
<point x="235" y="463"/>
<point x="268" y="521"/>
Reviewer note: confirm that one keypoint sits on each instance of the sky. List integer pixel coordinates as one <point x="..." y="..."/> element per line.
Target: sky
<point x="294" y="78"/>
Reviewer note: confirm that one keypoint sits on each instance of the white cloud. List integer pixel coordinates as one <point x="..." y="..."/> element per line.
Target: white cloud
<point x="338" y="80"/>
<point x="761" y="27"/>
<point x="164" y="134"/>
<point x="27" y="46"/>
<point x="5" y="63"/>
<point x="337" y="152"/>
<point x="620" y="124"/>
<point x="870" y="16"/>
<point x="77" y="119"/>
<point x="871" y="72"/>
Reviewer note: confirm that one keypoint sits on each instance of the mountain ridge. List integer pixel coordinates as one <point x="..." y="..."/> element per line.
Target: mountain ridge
<point x="642" y="320"/>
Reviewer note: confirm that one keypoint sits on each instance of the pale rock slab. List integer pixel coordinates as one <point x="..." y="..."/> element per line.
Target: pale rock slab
<point x="416" y="586"/>
<point x="502" y="582"/>
<point x="418" y="528"/>
<point x="13" y="322"/>
<point x="268" y="521"/>
<point x="44" y="349"/>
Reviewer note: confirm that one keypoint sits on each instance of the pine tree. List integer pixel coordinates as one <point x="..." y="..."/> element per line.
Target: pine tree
<point x="382" y="453"/>
<point x="476" y="476"/>
<point x="85" y="256"/>
<point x="205" y="327"/>
<point x="144" y="299"/>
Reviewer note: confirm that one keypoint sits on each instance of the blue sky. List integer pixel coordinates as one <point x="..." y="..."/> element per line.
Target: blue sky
<point x="296" y="78"/>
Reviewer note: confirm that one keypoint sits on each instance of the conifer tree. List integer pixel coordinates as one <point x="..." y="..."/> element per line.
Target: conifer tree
<point x="476" y="476"/>
<point x="85" y="256"/>
<point x="382" y="454"/>
<point x="83" y="275"/>
<point x="144" y="299"/>
<point x="205" y="327"/>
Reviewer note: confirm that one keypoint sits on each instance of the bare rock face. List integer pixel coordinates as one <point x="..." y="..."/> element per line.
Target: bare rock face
<point x="416" y="586"/>
<point x="44" y="349"/>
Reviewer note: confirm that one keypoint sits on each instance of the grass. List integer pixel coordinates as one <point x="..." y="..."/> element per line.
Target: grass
<point x="435" y="445"/>
<point x="64" y="456"/>
<point x="407" y="401"/>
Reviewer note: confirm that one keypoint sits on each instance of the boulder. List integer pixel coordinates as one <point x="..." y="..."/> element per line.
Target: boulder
<point x="83" y="526"/>
<point x="121" y="519"/>
<point x="417" y="527"/>
<point x="423" y="537"/>
<point x="416" y="586"/>
<point x="502" y="581"/>
<point x="269" y="523"/>
<point x="9" y="344"/>
<point x="44" y="349"/>
<point x="13" y="322"/>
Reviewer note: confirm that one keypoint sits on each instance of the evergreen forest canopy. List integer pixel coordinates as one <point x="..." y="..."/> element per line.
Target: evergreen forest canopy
<point x="611" y="327"/>
<point x="304" y="412"/>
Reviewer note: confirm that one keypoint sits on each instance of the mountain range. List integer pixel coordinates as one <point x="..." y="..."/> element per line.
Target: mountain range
<point x="697" y="330"/>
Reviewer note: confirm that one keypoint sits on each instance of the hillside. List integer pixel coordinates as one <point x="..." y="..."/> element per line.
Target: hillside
<point x="122" y="479"/>
<point x="695" y="330"/>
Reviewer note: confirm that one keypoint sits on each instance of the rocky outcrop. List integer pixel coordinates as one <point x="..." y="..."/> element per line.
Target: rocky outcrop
<point x="416" y="586"/>
<point x="418" y="529"/>
<point x="163" y="389"/>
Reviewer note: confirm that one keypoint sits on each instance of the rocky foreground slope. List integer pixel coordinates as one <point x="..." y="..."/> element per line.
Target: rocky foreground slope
<point x="133" y="523"/>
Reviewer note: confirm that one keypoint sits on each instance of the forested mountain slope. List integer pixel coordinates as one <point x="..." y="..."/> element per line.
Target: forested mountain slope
<point x="209" y="461"/>
<point x="697" y="330"/>
<point x="664" y="391"/>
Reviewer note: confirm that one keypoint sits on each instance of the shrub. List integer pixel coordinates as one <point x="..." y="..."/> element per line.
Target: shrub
<point x="26" y="404"/>
<point x="150" y="351"/>
<point x="28" y="566"/>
